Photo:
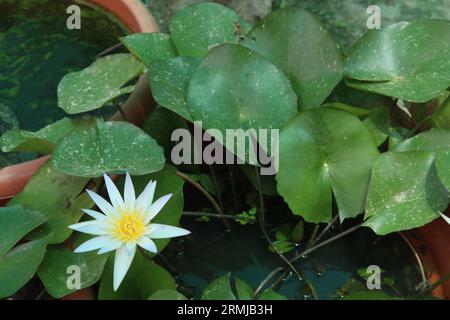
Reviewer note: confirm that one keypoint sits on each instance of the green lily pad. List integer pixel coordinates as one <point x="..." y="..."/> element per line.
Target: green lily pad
<point x="56" y="196"/>
<point x="19" y="266"/>
<point x="409" y="61"/>
<point x="323" y="150"/>
<point x="436" y="141"/>
<point x="295" y="41"/>
<point x="405" y="192"/>
<point x="243" y="290"/>
<point x="271" y="295"/>
<point x="53" y="271"/>
<point x="108" y="147"/>
<point x="15" y="223"/>
<point x="198" y="27"/>
<point x="169" y="82"/>
<point x="149" y="47"/>
<point x="98" y="84"/>
<point x="42" y="141"/>
<point x="219" y="289"/>
<point x="167" y="294"/>
<point x="235" y="88"/>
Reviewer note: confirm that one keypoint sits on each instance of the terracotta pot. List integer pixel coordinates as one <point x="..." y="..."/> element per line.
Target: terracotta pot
<point x="432" y="243"/>
<point x="134" y="15"/>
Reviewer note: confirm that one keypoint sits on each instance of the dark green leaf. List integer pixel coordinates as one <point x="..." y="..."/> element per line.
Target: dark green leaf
<point x="323" y="150"/>
<point x="298" y="232"/>
<point x="436" y="141"/>
<point x="405" y="192"/>
<point x="149" y="47"/>
<point x="441" y="117"/>
<point x="15" y="223"/>
<point x="167" y="294"/>
<point x="219" y="289"/>
<point x="198" y="27"/>
<point x="409" y="61"/>
<point x="143" y="279"/>
<point x="271" y="295"/>
<point x="96" y="85"/>
<point x="19" y="266"/>
<point x="282" y="246"/>
<point x="295" y="41"/>
<point x="243" y="290"/>
<point x="108" y="147"/>
<point x="54" y="270"/>
<point x="169" y="82"/>
<point x="235" y="88"/>
<point x="42" y="141"/>
<point x="56" y="196"/>
<point x="370" y="295"/>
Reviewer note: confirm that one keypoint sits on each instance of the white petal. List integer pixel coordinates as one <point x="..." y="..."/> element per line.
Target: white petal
<point x="152" y="227"/>
<point x="145" y="199"/>
<point x="122" y="263"/>
<point x="156" y="207"/>
<point x="102" y="204"/>
<point x="113" y="192"/>
<point x="94" y="214"/>
<point x="131" y="247"/>
<point x="110" y="246"/>
<point x="166" y="231"/>
<point x="129" y="195"/>
<point x="90" y="227"/>
<point x="93" y="244"/>
<point x="443" y="216"/>
<point x="147" y="244"/>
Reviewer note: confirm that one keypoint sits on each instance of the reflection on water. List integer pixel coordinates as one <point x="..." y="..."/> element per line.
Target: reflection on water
<point x="211" y="252"/>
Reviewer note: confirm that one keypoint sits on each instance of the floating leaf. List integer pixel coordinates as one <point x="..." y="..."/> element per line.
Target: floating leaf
<point x="295" y="41"/>
<point x="298" y="232"/>
<point x="167" y="294"/>
<point x="282" y="246"/>
<point x="169" y="82"/>
<point x="378" y="122"/>
<point x="42" y="141"/>
<point x="370" y="295"/>
<point x="96" y="85"/>
<point x="55" y="270"/>
<point x="219" y="289"/>
<point x="323" y="150"/>
<point x="235" y="88"/>
<point x="409" y="61"/>
<point x="149" y="47"/>
<point x="56" y="196"/>
<point x="271" y="295"/>
<point x="15" y="223"/>
<point x="143" y="279"/>
<point x="19" y="266"/>
<point x="405" y="192"/>
<point x="108" y="147"/>
<point x="198" y="27"/>
<point x="243" y="290"/>
<point x="436" y="141"/>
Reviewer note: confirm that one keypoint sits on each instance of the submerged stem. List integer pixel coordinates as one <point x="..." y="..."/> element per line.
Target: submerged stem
<point x="208" y="196"/>
<point x="262" y="222"/>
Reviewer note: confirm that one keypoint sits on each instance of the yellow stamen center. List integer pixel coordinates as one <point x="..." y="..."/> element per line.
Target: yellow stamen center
<point x="129" y="226"/>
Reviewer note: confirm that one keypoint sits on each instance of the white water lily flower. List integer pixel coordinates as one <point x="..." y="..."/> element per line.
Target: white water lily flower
<point x="124" y="224"/>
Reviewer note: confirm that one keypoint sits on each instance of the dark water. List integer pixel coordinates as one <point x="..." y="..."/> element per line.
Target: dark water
<point x="36" y="51"/>
<point x="210" y="252"/>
